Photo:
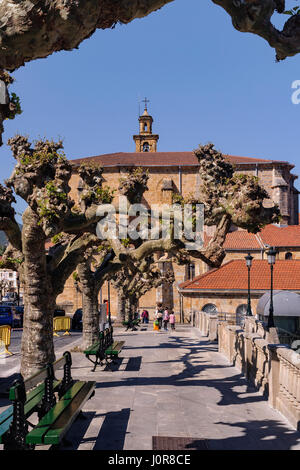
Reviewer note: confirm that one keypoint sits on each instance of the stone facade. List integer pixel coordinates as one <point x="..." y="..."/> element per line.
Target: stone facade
<point x="177" y="172"/>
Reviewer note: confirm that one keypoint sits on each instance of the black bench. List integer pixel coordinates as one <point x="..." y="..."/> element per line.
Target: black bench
<point x="103" y="349"/>
<point x="57" y="404"/>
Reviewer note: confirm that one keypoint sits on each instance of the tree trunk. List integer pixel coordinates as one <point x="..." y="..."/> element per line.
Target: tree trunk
<point x="90" y="307"/>
<point x="134" y="306"/>
<point x="37" y="339"/>
<point x="128" y="310"/>
<point x="121" y="314"/>
<point x="90" y="318"/>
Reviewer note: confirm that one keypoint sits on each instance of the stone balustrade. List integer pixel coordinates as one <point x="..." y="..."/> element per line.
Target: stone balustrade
<point x="207" y="323"/>
<point x="287" y="397"/>
<point x="273" y="368"/>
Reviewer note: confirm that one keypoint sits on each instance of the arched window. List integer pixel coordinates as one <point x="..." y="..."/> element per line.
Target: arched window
<point x="190" y="271"/>
<point x="209" y="308"/>
<point x="145" y="127"/>
<point x="289" y="255"/>
<point x="146" y="147"/>
<point x="240" y="314"/>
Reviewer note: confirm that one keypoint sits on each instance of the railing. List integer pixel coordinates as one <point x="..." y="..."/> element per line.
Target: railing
<point x="285" y="337"/>
<point x="229" y="317"/>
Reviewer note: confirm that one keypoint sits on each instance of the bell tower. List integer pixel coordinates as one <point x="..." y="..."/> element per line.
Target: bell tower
<point x="146" y="141"/>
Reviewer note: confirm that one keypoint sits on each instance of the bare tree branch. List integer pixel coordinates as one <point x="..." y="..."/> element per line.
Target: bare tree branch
<point x="32" y="29"/>
<point x="254" y="16"/>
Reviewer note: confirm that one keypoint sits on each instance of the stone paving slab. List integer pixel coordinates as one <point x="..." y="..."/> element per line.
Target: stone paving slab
<point x="174" y="384"/>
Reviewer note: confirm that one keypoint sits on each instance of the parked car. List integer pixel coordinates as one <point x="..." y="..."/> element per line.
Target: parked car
<point x="6" y="315"/>
<point x="18" y="314"/>
<point x="77" y="320"/>
<point x="10" y="297"/>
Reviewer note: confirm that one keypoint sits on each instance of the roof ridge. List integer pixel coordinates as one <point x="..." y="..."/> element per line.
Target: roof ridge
<point x="244" y="159"/>
<point x="235" y="277"/>
<point x="259" y="239"/>
<point x="202" y="276"/>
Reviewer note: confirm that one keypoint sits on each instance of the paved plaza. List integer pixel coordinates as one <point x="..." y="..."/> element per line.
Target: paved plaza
<point x="173" y="384"/>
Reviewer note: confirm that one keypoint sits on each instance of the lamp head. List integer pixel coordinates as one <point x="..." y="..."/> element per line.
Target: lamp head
<point x="249" y="259"/>
<point x="271" y="254"/>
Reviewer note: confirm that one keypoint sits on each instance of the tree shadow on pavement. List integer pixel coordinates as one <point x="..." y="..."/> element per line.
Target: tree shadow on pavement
<point x="193" y="371"/>
<point x="257" y="435"/>
<point x="110" y="437"/>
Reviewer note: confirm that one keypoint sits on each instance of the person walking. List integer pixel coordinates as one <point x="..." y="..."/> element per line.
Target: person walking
<point x="145" y="316"/>
<point x="172" y="320"/>
<point x="166" y="319"/>
<point x="159" y="315"/>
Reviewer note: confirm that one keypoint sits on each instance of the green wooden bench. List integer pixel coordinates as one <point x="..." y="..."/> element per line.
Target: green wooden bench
<point x="57" y="403"/>
<point x="103" y="349"/>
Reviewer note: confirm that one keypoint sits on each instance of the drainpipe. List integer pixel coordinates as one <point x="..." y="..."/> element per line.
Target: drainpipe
<point x="181" y="308"/>
<point x="180" y="179"/>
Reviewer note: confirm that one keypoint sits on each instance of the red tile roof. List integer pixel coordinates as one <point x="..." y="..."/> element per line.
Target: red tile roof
<point x="288" y="236"/>
<point x="159" y="159"/>
<point x="273" y="235"/>
<point x="242" y="240"/>
<point x="234" y="275"/>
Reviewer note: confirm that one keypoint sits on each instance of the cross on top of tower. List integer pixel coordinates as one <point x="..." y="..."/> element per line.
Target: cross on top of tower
<point x="146" y="101"/>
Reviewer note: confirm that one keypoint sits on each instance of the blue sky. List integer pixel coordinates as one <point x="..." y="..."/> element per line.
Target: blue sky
<point x="206" y="82"/>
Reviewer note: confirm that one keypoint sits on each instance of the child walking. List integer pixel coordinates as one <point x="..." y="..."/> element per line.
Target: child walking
<point x="172" y="320"/>
<point x="166" y="319"/>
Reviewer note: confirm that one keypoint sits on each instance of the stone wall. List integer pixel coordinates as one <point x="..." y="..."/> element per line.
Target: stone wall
<point x="273" y="368"/>
<point x="208" y="323"/>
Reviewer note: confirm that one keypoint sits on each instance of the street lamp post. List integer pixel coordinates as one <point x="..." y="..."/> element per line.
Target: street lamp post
<point x="271" y="254"/>
<point x="108" y="295"/>
<point x="76" y="291"/>
<point x="249" y="259"/>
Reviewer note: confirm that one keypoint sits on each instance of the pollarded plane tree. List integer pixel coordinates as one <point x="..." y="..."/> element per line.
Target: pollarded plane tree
<point x="131" y="285"/>
<point x="41" y="177"/>
<point x="115" y="258"/>
<point x="229" y="198"/>
<point x="31" y="30"/>
<point x="92" y="274"/>
<point x="99" y="263"/>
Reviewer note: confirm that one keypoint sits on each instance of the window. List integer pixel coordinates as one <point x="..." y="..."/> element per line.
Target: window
<point x="209" y="308"/>
<point x="190" y="271"/>
<point x="146" y="147"/>
<point x="289" y="255"/>
<point x="145" y="127"/>
<point x="240" y="314"/>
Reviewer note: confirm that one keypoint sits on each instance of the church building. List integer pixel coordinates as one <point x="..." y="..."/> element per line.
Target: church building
<point x="177" y="172"/>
